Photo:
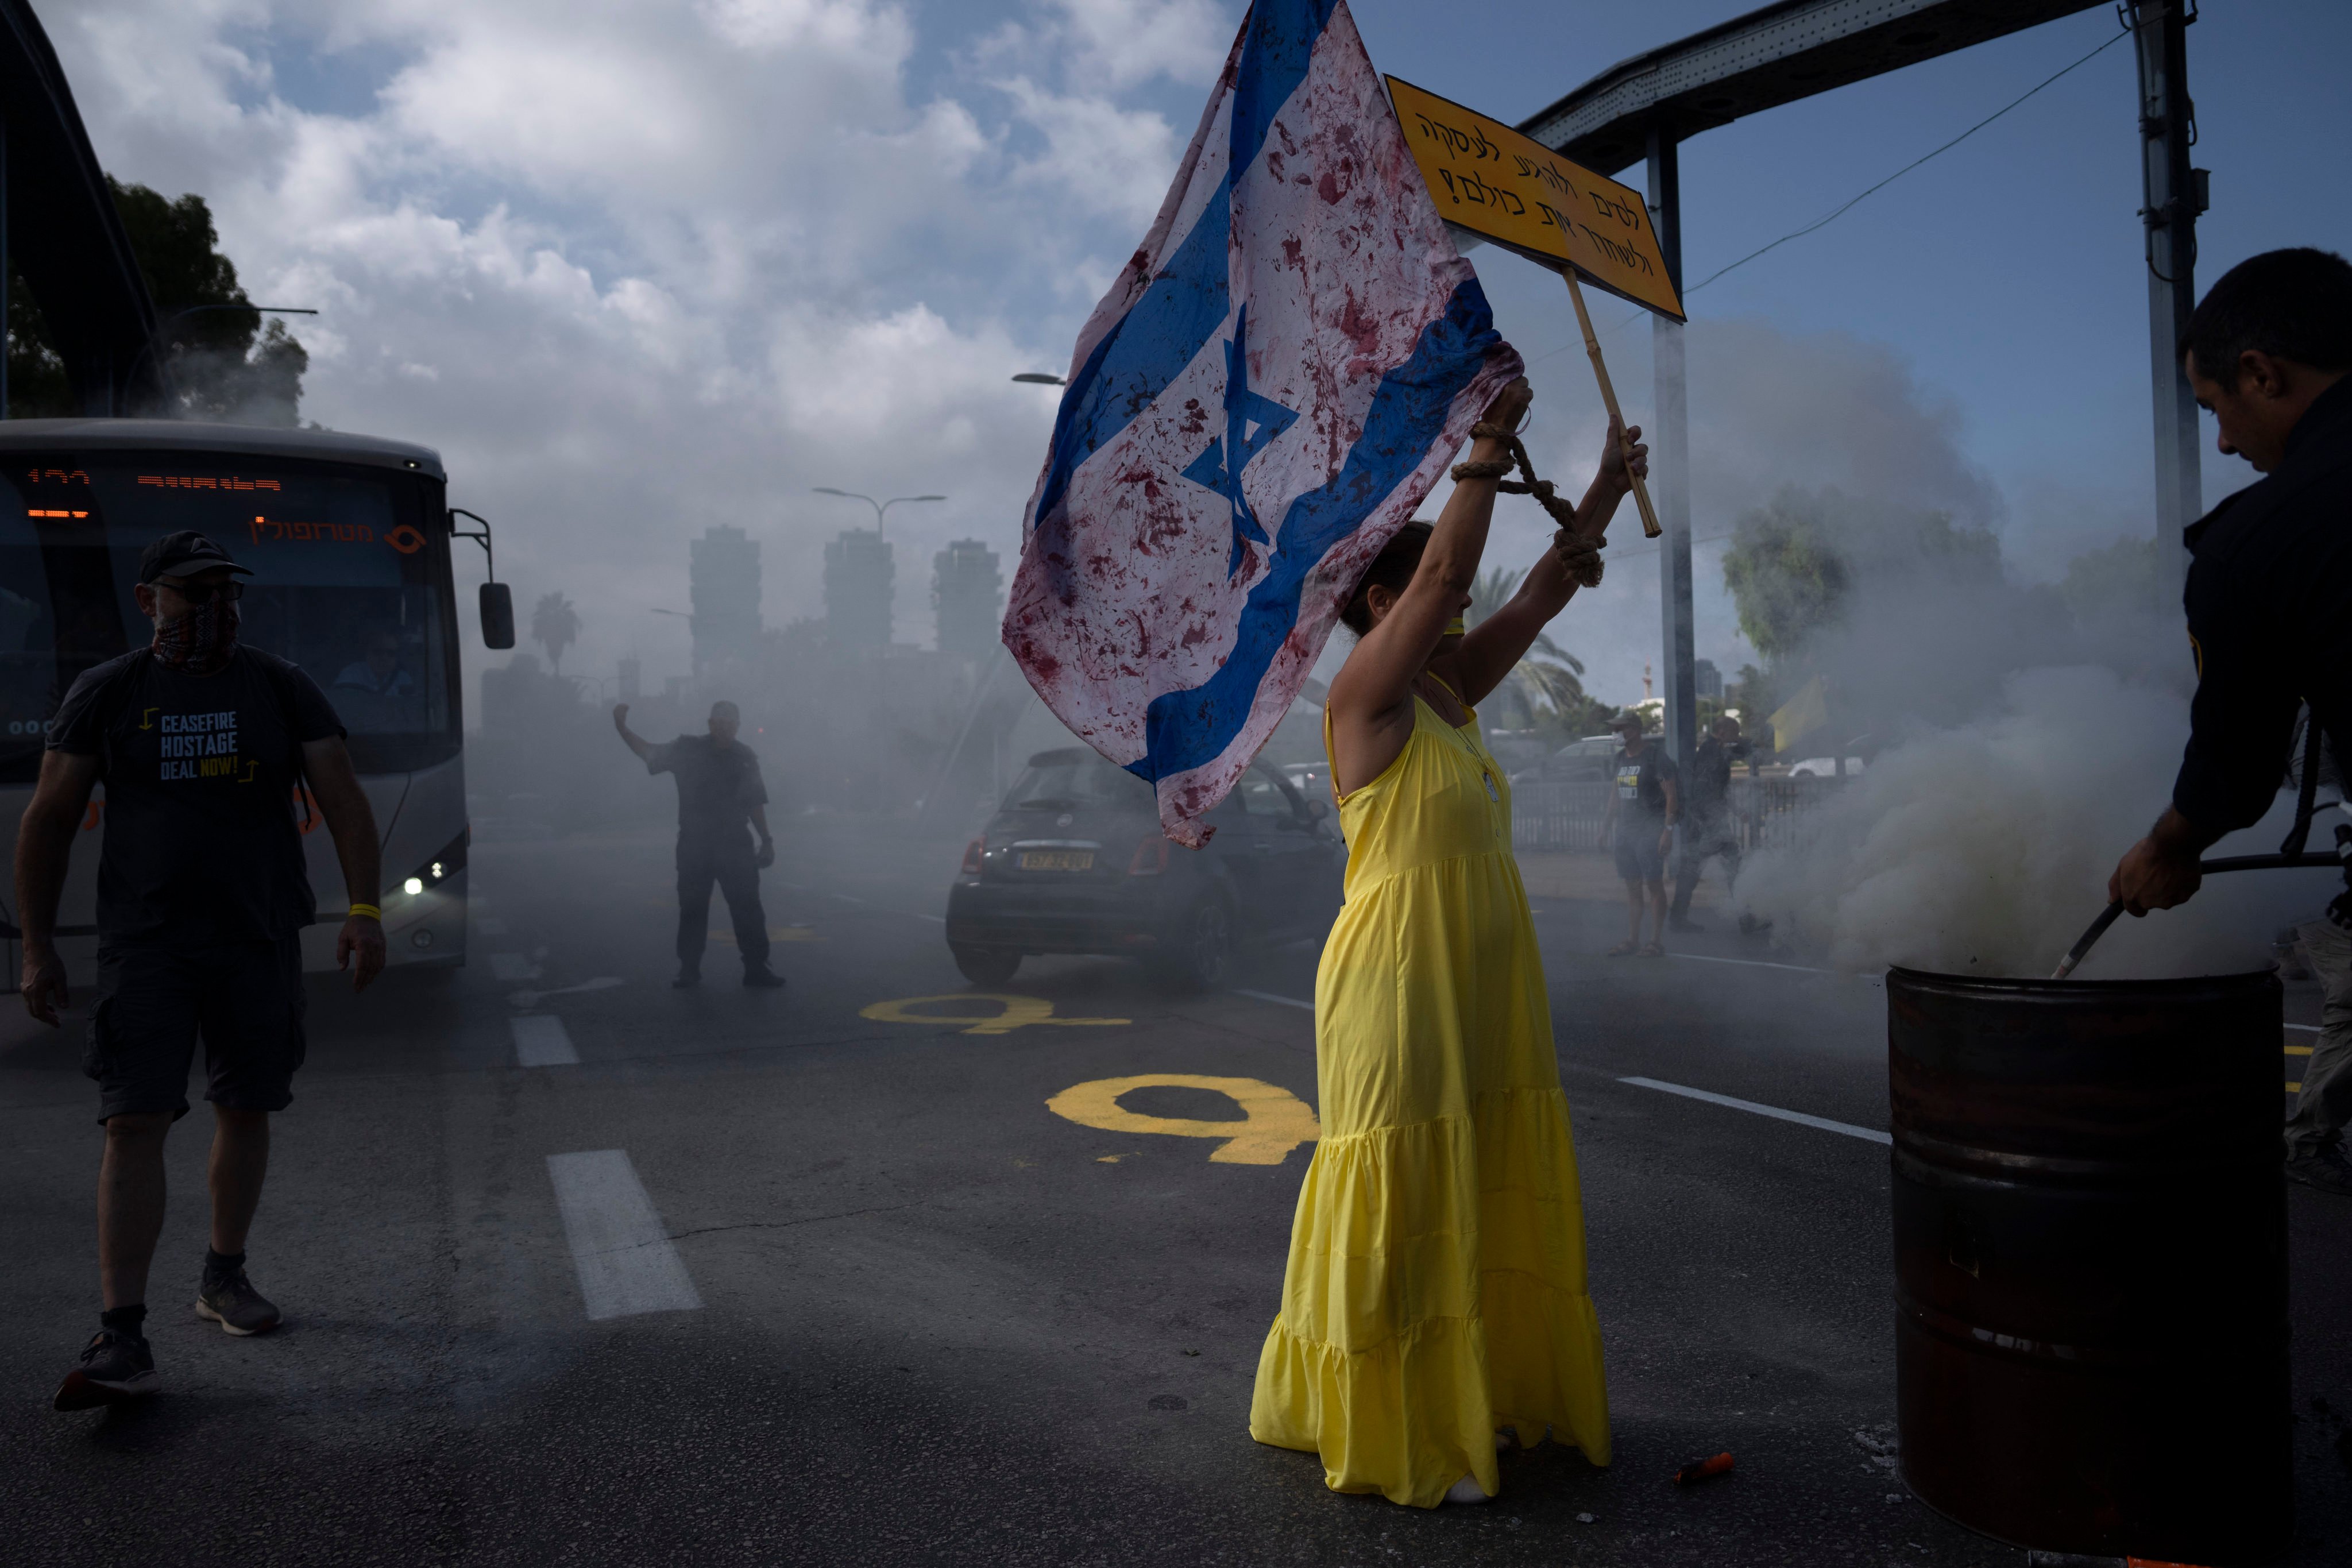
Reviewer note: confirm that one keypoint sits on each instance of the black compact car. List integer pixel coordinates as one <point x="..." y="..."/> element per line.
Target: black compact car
<point x="1074" y="861"/>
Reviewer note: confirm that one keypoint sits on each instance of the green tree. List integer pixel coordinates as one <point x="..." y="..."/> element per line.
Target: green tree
<point x="2117" y="580"/>
<point x="1786" y="573"/>
<point x="221" y="363"/>
<point x="554" y="625"/>
<point x="1795" y="565"/>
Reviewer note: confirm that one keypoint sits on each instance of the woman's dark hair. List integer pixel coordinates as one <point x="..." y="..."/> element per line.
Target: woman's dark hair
<point x="2290" y="304"/>
<point x="1392" y="569"/>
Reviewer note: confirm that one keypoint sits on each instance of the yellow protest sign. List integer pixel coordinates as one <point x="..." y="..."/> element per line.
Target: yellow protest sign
<point x="1517" y="192"/>
<point x="1275" y="1121"/>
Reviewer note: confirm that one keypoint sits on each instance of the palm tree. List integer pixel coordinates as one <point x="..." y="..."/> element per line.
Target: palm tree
<point x="1548" y="675"/>
<point x="554" y="625"/>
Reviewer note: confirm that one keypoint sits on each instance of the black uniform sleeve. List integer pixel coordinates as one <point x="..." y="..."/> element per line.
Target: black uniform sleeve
<point x="2241" y="721"/>
<point x="755" y="789"/>
<point x="663" y="759"/>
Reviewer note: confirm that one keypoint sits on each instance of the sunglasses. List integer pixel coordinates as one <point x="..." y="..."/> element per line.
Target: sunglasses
<point x="204" y="592"/>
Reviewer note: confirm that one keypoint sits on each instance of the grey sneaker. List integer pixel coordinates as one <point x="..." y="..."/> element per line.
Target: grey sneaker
<point x="2325" y="1168"/>
<point x="115" y="1369"/>
<point x="230" y="1300"/>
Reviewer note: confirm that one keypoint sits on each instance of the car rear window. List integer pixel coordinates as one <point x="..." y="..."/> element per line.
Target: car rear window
<point x="1066" y="784"/>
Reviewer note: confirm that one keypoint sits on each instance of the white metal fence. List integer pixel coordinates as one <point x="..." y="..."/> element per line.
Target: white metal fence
<point x="1765" y="812"/>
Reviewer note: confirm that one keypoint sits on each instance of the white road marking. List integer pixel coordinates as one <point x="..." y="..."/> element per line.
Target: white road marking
<point x="540" y="1040"/>
<point x="512" y="966"/>
<point x="2305" y="1028"/>
<point x="489" y="925"/>
<point x="1270" y="997"/>
<point x="627" y="1264"/>
<point x="1798" y="1116"/>
<point x="530" y="998"/>
<point x="1750" y="962"/>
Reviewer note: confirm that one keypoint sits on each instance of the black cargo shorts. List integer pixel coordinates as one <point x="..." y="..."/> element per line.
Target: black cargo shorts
<point x="155" y="1001"/>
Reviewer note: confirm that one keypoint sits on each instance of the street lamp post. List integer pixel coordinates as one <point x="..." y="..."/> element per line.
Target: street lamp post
<point x="881" y="508"/>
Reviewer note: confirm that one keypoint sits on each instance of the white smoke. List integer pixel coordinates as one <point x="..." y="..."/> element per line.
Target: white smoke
<point x="1984" y="849"/>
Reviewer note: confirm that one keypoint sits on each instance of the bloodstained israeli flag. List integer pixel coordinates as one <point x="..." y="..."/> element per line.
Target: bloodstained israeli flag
<point x="1273" y="385"/>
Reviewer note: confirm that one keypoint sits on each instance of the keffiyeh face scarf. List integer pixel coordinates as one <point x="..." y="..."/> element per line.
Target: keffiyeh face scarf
<point x="201" y="641"/>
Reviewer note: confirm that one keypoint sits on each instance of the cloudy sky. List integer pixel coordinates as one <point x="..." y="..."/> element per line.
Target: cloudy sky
<point x="637" y="266"/>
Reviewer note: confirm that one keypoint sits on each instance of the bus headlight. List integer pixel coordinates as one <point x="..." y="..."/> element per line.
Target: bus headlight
<point x="414" y="886"/>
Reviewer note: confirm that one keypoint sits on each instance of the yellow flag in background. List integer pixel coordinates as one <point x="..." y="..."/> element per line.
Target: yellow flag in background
<point x="1802" y="714"/>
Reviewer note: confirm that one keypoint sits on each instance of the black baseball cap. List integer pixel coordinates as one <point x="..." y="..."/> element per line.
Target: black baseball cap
<point x="183" y="554"/>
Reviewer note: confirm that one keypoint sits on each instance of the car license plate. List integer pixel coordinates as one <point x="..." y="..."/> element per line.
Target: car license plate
<point x="1057" y="859"/>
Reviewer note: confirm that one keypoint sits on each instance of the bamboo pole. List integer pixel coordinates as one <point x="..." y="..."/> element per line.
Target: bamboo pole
<point x="1609" y="398"/>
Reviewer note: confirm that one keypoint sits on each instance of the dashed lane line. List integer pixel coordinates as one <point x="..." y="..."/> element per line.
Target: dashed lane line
<point x="1750" y="962"/>
<point x="1270" y="997"/>
<point x="626" y="1262"/>
<point x="540" y="1040"/>
<point x="1798" y="1116"/>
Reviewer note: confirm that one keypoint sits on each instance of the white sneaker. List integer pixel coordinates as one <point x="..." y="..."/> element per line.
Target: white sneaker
<point x="1467" y="1490"/>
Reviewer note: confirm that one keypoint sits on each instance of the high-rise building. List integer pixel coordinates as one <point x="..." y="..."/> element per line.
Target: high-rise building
<point x="859" y="586"/>
<point x="965" y="583"/>
<point x="723" y="577"/>
<point x="1705" y="680"/>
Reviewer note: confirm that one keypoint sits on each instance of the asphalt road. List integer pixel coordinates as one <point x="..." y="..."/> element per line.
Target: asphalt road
<point x="817" y="1275"/>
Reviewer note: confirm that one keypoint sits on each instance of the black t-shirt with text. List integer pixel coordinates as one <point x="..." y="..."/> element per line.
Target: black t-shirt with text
<point x="1642" y="781"/>
<point x="717" y="785"/>
<point x="203" y="840"/>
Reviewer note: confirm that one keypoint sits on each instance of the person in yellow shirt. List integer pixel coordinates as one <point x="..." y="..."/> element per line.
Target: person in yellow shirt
<point x="1434" y="1298"/>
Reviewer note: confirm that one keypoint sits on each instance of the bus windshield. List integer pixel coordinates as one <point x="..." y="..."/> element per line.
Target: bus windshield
<point x="350" y="581"/>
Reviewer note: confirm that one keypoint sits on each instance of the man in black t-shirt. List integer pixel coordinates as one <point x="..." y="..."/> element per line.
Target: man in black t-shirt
<point x="720" y="802"/>
<point x="201" y="898"/>
<point x="1643" y="805"/>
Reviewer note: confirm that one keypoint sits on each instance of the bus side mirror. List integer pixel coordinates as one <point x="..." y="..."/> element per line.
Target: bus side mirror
<point x="497" y="616"/>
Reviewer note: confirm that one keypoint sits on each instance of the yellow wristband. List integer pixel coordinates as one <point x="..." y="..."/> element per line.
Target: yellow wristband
<point x="370" y="910"/>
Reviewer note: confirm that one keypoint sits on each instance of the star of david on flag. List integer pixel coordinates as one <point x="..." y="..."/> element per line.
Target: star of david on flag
<point x="1281" y="373"/>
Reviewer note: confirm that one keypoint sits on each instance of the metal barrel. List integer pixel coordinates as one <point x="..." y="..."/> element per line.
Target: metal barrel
<point x="2090" y="1262"/>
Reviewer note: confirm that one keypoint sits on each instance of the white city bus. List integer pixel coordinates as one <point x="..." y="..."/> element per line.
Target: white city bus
<point x="348" y="538"/>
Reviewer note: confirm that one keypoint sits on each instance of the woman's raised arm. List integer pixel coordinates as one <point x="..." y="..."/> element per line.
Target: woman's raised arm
<point x="1370" y="702"/>
<point x="1494" y="647"/>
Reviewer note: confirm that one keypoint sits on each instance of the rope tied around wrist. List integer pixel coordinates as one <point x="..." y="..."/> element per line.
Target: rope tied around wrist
<point x="1579" y="555"/>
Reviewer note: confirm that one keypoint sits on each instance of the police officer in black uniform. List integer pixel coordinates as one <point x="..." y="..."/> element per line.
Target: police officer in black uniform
<point x="2270" y="611"/>
<point x="720" y="802"/>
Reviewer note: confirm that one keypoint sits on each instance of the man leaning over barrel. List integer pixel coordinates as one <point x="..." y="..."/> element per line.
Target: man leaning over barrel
<point x="2269" y="620"/>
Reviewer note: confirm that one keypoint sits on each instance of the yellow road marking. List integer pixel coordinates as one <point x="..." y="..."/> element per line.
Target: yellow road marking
<point x="1016" y="1012"/>
<point x="1275" y="1121"/>
<point x="2298" y="1050"/>
<point x="2295" y="1089"/>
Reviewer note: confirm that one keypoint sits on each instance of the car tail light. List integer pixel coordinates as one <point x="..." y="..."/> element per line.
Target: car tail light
<point x="972" y="854"/>
<point x="1150" y="857"/>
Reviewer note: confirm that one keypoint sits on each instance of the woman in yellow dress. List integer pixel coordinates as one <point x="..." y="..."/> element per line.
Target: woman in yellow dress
<point x="1434" y="1300"/>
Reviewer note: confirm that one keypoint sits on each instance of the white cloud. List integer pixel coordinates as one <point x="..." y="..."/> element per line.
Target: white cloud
<point x="639" y="270"/>
<point x="1126" y="41"/>
<point x="1116" y="160"/>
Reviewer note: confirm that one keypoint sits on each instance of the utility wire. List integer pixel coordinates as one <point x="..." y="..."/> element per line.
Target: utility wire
<point x="1847" y="206"/>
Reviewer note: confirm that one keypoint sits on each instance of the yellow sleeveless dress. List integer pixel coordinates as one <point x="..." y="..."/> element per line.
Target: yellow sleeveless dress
<point x="1435" y="1288"/>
